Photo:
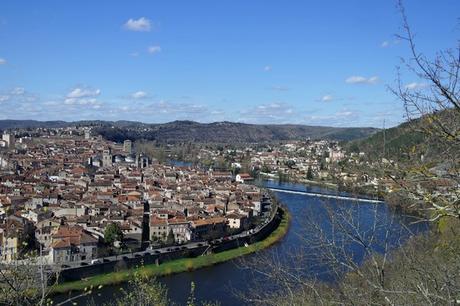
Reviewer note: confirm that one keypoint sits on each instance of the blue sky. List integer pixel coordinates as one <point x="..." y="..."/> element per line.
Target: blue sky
<point x="258" y="61"/>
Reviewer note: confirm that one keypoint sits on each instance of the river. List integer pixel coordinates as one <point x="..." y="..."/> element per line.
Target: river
<point x="218" y="283"/>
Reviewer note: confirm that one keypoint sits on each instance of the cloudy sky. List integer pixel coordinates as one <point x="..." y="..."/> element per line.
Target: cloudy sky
<point x="259" y="61"/>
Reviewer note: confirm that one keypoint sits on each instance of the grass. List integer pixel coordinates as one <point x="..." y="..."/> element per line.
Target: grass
<point x="176" y="266"/>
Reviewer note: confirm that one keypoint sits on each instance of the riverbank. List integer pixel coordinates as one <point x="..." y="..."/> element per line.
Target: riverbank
<point x="179" y="265"/>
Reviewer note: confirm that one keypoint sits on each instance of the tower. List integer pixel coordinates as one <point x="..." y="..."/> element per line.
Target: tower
<point x="107" y="158"/>
<point x="9" y="139"/>
<point x="143" y="161"/>
<point x="127" y="146"/>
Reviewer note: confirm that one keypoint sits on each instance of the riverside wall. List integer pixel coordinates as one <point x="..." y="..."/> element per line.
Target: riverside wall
<point x="124" y="262"/>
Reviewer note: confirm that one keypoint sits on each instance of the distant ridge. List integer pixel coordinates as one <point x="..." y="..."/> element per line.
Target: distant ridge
<point x="408" y="138"/>
<point x="23" y="124"/>
<point x="184" y="131"/>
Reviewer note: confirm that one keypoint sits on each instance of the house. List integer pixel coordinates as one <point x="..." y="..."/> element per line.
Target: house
<point x="71" y="244"/>
<point x="208" y="228"/>
<point x="222" y="176"/>
<point x="243" y="177"/>
<point x="17" y="234"/>
<point x="158" y="229"/>
<point x="181" y="230"/>
<point x="45" y="230"/>
<point x="237" y="221"/>
<point x="132" y="229"/>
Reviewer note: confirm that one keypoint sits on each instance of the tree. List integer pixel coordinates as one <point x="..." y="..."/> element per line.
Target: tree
<point x="170" y="240"/>
<point x="30" y="282"/>
<point x="290" y="163"/>
<point x="265" y="168"/>
<point x="113" y="233"/>
<point x="436" y="105"/>
<point x="323" y="165"/>
<point x="143" y="291"/>
<point x="423" y="271"/>
<point x="309" y="173"/>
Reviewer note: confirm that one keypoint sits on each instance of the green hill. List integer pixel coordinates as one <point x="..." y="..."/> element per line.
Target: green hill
<point x="406" y="141"/>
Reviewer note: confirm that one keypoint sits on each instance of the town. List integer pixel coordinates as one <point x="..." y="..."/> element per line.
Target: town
<point x="310" y="161"/>
<point x="73" y="198"/>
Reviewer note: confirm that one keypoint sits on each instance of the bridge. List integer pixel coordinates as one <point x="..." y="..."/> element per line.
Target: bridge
<point x="323" y="195"/>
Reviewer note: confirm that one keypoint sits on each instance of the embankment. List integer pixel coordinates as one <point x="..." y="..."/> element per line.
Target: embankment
<point x="176" y="262"/>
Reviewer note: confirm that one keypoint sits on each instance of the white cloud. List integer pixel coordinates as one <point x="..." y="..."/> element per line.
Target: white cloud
<point x="343" y="117"/>
<point x="2" y="61"/>
<point x="82" y="101"/>
<point x="267" y="68"/>
<point x="134" y="54"/>
<point x="139" y="95"/>
<point x="279" y="88"/>
<point x="82" y="96"/>
<point x="345" y="113"/>
<point x="18" y="91"/>
<point x="163" y="111"/>
<point x="276" y="112"/>
<point x="140" y="25"/>
<point x="389" y="43"/>
<point x="327" y="98"/>
<point x="154" y="49"/>
<point x="17" y="95"/>
<point x="415" y="85"/>
<point x="80" y="92"/>
<point x="23" y="104"/>
<point x="51" y="103"/>
<point x="217" y="112"/>
<point x="362" y="80"/>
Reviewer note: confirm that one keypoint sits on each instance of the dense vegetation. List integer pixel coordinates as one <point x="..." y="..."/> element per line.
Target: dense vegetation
<point x="228" y="132"/>
<point x="395" y="142"/>
<point x="404" y="142"/>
